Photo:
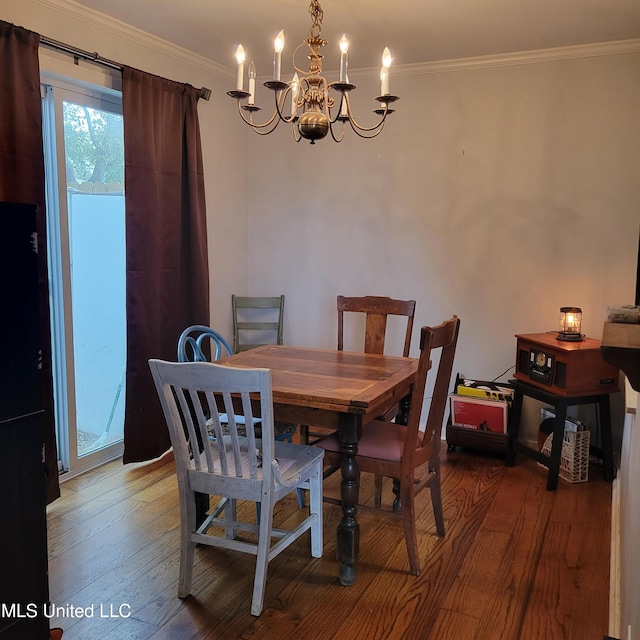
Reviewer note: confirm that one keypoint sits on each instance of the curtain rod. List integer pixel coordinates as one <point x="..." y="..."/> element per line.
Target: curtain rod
<point x="203" y="92"/>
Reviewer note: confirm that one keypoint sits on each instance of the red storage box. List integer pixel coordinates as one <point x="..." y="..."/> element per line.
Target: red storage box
<point x="478" y="414"/>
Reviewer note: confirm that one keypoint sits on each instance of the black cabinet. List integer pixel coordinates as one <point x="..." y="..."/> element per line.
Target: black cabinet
<point x="24" y="585"/>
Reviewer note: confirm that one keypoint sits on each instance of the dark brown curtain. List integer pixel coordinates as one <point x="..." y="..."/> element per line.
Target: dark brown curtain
<point x="167" y="266"/>
<point x="22" y="181"/>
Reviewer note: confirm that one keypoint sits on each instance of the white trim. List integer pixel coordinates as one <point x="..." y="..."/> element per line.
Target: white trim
<point x="614" y="563"/>
<point x="138" y="36"/>
<point x="510" y="59"/>
<point x="106" y="455"/>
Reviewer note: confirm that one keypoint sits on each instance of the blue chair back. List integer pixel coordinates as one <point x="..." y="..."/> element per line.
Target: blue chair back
<point x="192" y="338"/>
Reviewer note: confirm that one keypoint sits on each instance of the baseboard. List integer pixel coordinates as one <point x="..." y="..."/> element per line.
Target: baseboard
<point x="614" y="563"/>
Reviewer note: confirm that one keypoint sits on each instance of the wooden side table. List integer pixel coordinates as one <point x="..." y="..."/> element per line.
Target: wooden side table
<point x="561" y="374"/>
<point x="560" y="404"/>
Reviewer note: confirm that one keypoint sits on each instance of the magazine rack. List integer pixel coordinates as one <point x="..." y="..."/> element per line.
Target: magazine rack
<point x="490" y="441"/>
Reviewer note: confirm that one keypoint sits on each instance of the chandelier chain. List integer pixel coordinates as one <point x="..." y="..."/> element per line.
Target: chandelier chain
<point x="316" y="19"/>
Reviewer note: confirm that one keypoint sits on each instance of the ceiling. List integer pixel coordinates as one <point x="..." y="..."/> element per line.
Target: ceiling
<point x="416" y="31"/>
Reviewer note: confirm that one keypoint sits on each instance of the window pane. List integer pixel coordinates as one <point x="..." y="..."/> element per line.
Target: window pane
<point x="94" y="159"/>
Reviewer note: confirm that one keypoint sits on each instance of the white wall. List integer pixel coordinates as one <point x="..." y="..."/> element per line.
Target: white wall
<point x="498" y="194"/>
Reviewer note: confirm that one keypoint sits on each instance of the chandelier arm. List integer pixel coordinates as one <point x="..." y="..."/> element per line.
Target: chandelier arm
<point x="293" y="59"/>
<point x="333" y="135"/>
<point x="261" y="129"/>
<point x="339" y="116"/>
<point x="370" y="133"/>
<point x="255" y="126"/>
<point x="359" y="128"/>
<point x="260" y="132"/>
<point x="280" y="103"/>
<point x="294" y="130"/>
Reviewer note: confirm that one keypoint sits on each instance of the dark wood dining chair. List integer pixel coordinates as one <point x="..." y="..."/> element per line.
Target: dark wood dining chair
<point x="377" y="310"/>
<point x="400" y="452"/>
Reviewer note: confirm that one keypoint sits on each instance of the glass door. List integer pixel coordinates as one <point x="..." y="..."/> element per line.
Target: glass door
<point x="85" y="210"/>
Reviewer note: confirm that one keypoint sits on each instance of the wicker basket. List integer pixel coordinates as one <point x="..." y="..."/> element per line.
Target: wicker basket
<point x="574" y="461"/>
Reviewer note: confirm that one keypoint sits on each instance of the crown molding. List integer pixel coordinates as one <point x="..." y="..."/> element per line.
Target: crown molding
<point x="135" y="35"/>
<point x="140" y="37"/>
<point x="523" y="57"/>
<point x="598" y="49"/>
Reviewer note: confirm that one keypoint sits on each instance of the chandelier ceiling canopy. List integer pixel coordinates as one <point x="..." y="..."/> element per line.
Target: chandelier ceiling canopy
<point x="313" y="106"/>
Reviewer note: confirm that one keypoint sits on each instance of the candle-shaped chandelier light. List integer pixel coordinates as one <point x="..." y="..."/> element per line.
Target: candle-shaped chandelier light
<point x="306" y="102"/>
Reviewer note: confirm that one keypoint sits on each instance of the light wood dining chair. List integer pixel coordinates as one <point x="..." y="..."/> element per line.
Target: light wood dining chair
<point x="405" y="453"/>
<point x="232" y="466"/>
<point x="261" y="317"/>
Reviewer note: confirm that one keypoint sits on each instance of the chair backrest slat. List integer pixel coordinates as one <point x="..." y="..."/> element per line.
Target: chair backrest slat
<point x="187" y="416"/>
<point x="377" y="310"/>
<point x="218" y="436"/>
<point x="251" y="436"/>
<point x="202" y="434"/>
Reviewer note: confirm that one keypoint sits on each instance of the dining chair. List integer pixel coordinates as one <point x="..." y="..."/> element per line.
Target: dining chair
<point x="191" y="348"/>
<point x="401" y="452"/>
<point x="192" y="340"/>
<point x="377" y="310"/>
<point x="259" y="317"/>
<point x="234" y="467"/>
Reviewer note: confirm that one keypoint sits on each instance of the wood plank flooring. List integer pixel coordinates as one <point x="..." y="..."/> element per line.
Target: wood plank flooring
<point x="517" y="563"/>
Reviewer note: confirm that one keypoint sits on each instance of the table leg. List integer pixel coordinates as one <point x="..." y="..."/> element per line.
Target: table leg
<point x="348" y="532"/>
<point x="405" y="407"/>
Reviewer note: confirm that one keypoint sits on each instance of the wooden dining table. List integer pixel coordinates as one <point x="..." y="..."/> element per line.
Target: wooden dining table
<point x="339" y="390"/>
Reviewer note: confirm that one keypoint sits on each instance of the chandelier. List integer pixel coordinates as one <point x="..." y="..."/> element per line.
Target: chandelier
<point x="313" y="106"/>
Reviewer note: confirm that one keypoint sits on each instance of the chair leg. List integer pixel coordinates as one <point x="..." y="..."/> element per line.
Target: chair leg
<point x="288" y="437"/>
<point x="304" y="434"/>
<point x="397" y="502"/>
<point x="187" y="547"/>
<point x="436" y="501"/>
<point x="377" y="491"/>
<point x="262" y="556"/>
<point x="409" y="526"/>
<point x="315" y="507"/>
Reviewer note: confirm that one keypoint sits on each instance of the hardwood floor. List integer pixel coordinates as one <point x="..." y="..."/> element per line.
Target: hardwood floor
<point x="517" y="563"/>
